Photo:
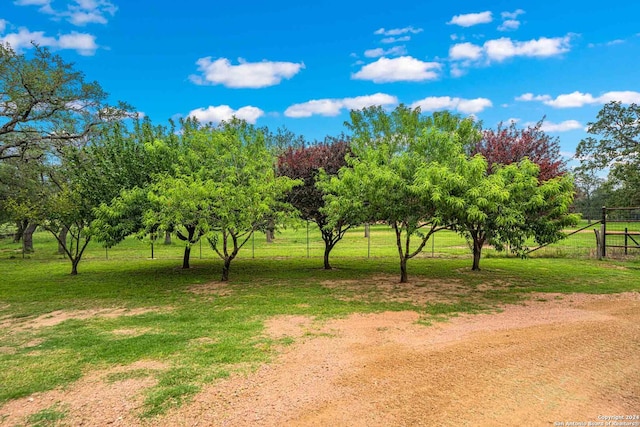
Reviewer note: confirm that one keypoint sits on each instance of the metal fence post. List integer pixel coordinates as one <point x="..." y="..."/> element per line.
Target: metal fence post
<point x="307" y="238"/>
<point x="604" y="231"/>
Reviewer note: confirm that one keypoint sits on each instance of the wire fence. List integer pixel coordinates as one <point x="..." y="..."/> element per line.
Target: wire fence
<point x="581" y="242"/>
<point x="621" y="232"/>
<point x="306" y="242"/>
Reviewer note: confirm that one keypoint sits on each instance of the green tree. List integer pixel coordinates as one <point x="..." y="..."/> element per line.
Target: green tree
<point x="45" y="104"/>
<point x="589" y="200"/>
<point x="505" y="207"/>
<point x="380" y="183"/>
<point x="248" y="192"/>
<point x="120" y="165"/>
<point x="20" y="182"/>
<point x="68" y="209"/>
<point x="185" y="201"/>
<point x="46" y="108"/>
<point x="175" y="193"/>
<point x="55" y="201"/>
<point x="618" y="148"/>
<point x="223" y="186"/>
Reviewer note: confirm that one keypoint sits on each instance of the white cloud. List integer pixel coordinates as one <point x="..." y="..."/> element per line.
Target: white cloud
<point x="462" y="51"/>
<point x="512" y="15"/>
<point x="626" y="97"/>
<point x="333" y="107"/>
<point x="359" y="102"/>
<point x="565" y="126"/>
<point x="509" y="25"/>
<point x="497" y="50"/>
<point x="404" y="68"/>
<point x="23" y="39"/>
<point x="389" y="40"/>
<point x="609" y="43"/>
<point x="374" y="53"/>
<point x="245" y="74"/>
<point x="84" y="44"/>
<point x="472" y="106"/>
<point x="470" y="19"/>
<point x="397" y="31"/>
<point x="510" y="21"/>
<point x="90" y="11"/>
<point x="217" y="114"/>
<point x="467" y="106"/>
<point x="3" y="25"/>
<point x="84" y="18"/>
<point x="503" y="48"/>
<point x="456" y="71"/>
<point x="575" y="99"/>
<point x="395" y="50"/>
<point x="532" y="97"/>
<point x="322" y="107"/>
<point x="78" y="12"/>
<point x="579" y="99"/>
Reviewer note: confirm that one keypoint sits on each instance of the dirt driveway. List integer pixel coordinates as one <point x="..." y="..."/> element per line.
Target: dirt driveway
<point x="570" y="358"/>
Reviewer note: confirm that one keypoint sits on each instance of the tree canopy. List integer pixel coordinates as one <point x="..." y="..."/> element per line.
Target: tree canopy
<point x="380" y="183"/>
<point x="45" y="104"/>
<point x="306" y="163"/>
<point x="503" y="208"/>
<point x="510" y="144"/>
<point x="617" y="148"/>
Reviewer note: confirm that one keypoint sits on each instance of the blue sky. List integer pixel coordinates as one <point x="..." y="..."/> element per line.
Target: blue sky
<point x="305" y="64"/>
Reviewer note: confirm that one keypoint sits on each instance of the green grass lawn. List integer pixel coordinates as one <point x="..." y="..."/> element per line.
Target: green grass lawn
<point x="203" y="336"/>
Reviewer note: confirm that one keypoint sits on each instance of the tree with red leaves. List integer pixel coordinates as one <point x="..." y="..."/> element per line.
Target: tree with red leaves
<point x="507" y="145"/>
<point x="305" y="163"/>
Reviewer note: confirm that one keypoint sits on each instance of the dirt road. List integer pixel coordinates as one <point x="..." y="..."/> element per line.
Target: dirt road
<point x="571" y="358"/>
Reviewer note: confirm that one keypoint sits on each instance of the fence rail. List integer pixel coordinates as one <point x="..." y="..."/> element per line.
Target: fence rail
<point x="620" y="230"/>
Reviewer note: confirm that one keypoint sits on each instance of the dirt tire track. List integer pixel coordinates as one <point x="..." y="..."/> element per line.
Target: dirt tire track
<point x="561" y="360"/>
<point x="568" y="358"/>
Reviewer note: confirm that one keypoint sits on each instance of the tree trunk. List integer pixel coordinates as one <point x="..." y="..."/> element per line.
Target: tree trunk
<point x="62" y="242"/>
<point x="20" y="226"/>
<point x="477" y="252"/>
<point x="187" y="253"/>
<point x="327" y="251"/>
<point x="225" y="269"/>
<point x="403" y="258"/>
<point x="366" y="230"/>
<point x="271" y="228"/>
<point x="74" y="266"/>
<point x="403" y="270"/>
<point x="27" y="237"/>
<point x="167" y="237"/>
